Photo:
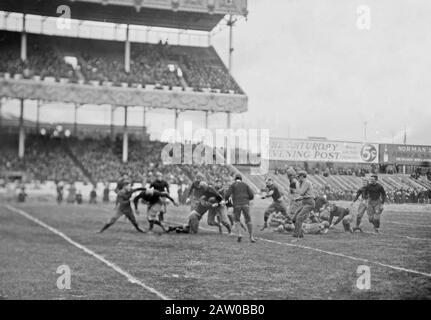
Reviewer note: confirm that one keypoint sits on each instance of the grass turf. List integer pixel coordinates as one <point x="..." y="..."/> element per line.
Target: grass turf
<point x="209" y="265"/>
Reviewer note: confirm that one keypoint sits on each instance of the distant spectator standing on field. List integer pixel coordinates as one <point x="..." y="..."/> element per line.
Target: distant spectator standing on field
<point x="93" y="196"/>
<point x="60" y="189"/>
<point x="22" y="195"/>
<point x="72" y="194"/>
<point x="78" y="197"/>
<point x="106" y="193"/>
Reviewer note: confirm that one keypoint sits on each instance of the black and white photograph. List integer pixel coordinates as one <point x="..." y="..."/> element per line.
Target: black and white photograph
<point x="213" y="156"/>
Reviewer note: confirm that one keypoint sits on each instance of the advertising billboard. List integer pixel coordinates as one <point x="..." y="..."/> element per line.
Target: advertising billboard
<point x="323" y="151"/>
<point x="405" y="154"/>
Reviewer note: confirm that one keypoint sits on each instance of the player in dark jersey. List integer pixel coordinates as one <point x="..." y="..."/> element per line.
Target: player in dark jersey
<point x="123" y="206"/>
<point x="277" y="205"/>
<point x="120" y="183"/>
<point x="153" y="198"/>
<point x="342" y="214"/>
<point x="376" y="199"/>
<point x="161" y="185"/>
<point x="194" y="218"/>
<point x="60" y="189"/>
<point x="195" y="191"/>
<point x="222" y="190"/>
<point x="361" y="193"/>
<point x="217" y="208"/>
<point x="320" y="203"/>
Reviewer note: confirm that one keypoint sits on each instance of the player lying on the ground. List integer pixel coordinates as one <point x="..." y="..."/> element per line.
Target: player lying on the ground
<point x="153" y="199"/>
<point x="192" y="226"/>
<point x="124" y="207"/>
<point x="342" y="214"/>
<point x="282" y="224"/>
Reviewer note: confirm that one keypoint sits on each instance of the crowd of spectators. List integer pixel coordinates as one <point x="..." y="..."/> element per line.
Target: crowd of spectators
<point x="102" y="159"/>
<point x="150" y="64"/>
<point x="42" y="59"/>
<point x="99" y="160"/>
<point x="399" y="195"/>
<point x="409" y="195"/>
<point x="201" y="75"/>
<point x="45" y="159"/>
<point x="331" y="170"/>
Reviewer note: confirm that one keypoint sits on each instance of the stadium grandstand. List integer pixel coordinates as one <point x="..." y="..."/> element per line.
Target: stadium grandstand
<point x="137" y="69"/>
<point x="47" y="57"/>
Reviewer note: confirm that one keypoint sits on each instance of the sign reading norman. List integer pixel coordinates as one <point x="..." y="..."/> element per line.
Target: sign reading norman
<point x="322" y="151"/>
<point x="405" y="154"/>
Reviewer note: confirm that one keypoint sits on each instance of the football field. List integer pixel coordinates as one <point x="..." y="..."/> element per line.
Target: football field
<point x="38" y="237"/>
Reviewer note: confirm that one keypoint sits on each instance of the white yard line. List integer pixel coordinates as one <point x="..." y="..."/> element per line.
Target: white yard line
<point x="113" y="266"/>
<point x="409" y="225"/>
<point x="336" y="254"/>
<point x="349" y="257"/>
<point x="397" y="236"/>
<point x="332" y="253"/>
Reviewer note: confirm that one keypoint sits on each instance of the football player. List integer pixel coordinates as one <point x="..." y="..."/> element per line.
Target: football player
<point x="124" y="207"/>
<point x="161" y="185"/>
<point x="361" y="193"/>
<point x="342" y="214"/>
<point x="154" y="201"/>
<point x="277" y="205"/>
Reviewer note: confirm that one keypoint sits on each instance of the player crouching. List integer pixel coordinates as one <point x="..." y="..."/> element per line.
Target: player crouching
<point x="343" y="215"/>
<point x="194" y="218"/>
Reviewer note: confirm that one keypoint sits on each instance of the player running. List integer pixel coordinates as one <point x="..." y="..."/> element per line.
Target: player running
<point x="242" y="195"/>
<point x="123" y="206"/>
<point x="154" y="200"/>
<point x="222" y="190"/>
<point x="277" y="205"/>
<point x="362" y="193"/>
<point x="217" y="208"/>
<point x="196" y="191"/>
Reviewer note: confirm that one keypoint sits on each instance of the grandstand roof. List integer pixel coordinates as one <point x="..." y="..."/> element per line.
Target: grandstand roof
<point x="180" y="14"/>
